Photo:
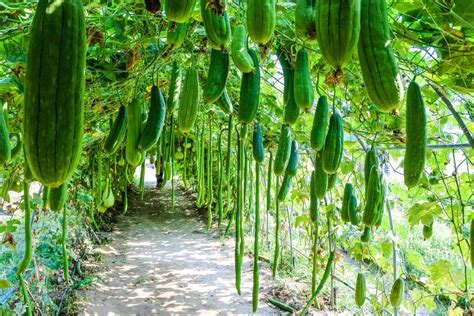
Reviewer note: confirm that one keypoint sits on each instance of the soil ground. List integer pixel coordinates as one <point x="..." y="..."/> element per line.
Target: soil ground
<point x="161" y="261"/>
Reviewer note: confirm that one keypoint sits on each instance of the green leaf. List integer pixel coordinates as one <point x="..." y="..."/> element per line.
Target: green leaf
<point x="4" y="284"/>
<point x="423" y="213"/>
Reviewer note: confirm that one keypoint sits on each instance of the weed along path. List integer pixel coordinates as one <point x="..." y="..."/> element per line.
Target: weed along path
<point x="161" y="261"/>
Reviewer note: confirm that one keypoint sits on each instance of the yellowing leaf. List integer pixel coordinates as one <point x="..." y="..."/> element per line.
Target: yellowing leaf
<point x="423" y="213"/>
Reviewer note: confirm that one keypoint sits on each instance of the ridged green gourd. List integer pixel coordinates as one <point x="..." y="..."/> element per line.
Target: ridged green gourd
<point x="360" y="290"/>
<point x="179" y="10"/>
<point x="57" y="197"/>
<point x="320" y="124"/>
<point x="337" y="29"/>
<point x="283" y="151"/>
<point x="155" y="122"/>
<point x="18" y="146"/>
<point x="292" y="166"/>
<point x="304" y="95"/>
<point x="5" y="147"/>
<point x="261" y="20"/>
<point x="249" y="92"/>
<point x="348" y="190"/>
<point x="54" y="89"/>
<point x="216" y="24"/>
<point x="224" y="103"/>
<point x="353" y="211"/>
<point x="321" y="184"/>
<point x="239" y="50"/>
<point x="373" y="196"/>
<point x="284" y="188"/>
<point x="365" y="237"/>
<point x="370" y="160"/>
<point x="257" y="144"/>
<point x="172" y="98"/>
<point x="176" y="35"/>
<point x="117" y="132"/>
<point x="397" y="293"/>
<point x="134" y="125"/>
<point x="188" y="101"/>
<point x="305" y="20"/>
<point x="216" y="76"/>
<point x="333" y="146"/>
<point x="377" y="62"/>
<point x="291" y="109"/>
<point x="415" y="153"/>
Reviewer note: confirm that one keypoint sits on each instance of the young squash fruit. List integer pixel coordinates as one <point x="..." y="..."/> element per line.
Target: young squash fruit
<point x="304" y="95"/>
<point x="365" y="237"/>
<point x="175" y="35"/>
<point x="360" y="290"/>
<point x="291" y="109"/>
<point x="321" y="183"/>
<point x="249" y="92"/>
<point x="257" y="144"/>
<point x="320" y="124"/>
<point x="415" y="153"/>
<point x="224" y="103"/>
<point x="370" y="160"/>
<point x="216" y="76"/>
<point x="261" y="20"/>
<point x="353" y="211"/>
<point x="5" y="147"/>
<point x="377" y="62"/>
<point x="173" y="87"/>
<point x="333" y="147"/>
<point x="57" y="197"/>
<point x="284" y="188"/>
<point x="188" y="101"/>
<point x="117" y="132"/>
<point x="179" y="10"/>
<point x="284" y="150"/>
<point x="397" y="293"/>
<point x="337" y="29"/>
<point x="292" y="166"/>
<point x="427" y="231"/>
<point x="348" y="191"/>
<point x="305" y="19"/>
<point x="374" y="198"/>
<point x="53" y="104"/>
<point x="239" y="50"/>
<point x="155" y="122"/>
<point x="134" y="125"/>
<point x="216" y="24"/>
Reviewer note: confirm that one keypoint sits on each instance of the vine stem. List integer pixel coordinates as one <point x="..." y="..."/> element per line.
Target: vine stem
<point x="456" y="115"/>
<point x="394" y="246"/>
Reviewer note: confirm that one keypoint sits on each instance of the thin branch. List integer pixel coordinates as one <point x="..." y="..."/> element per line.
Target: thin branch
<point x="455" y="114"/>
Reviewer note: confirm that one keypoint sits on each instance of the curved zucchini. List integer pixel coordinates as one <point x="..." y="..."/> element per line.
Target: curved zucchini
<point x="156" y="119"/>
<point x="217" y="76"/>
<point x="117" y="131"/>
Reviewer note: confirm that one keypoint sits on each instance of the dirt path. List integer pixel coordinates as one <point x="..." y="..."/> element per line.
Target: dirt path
<point x="160" y="261"/>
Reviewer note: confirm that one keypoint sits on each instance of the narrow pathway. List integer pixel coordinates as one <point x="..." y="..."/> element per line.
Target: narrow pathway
<point x="161" y="261"/>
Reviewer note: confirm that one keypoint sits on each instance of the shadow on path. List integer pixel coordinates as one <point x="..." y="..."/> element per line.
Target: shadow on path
<point x="161" y="261"/>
